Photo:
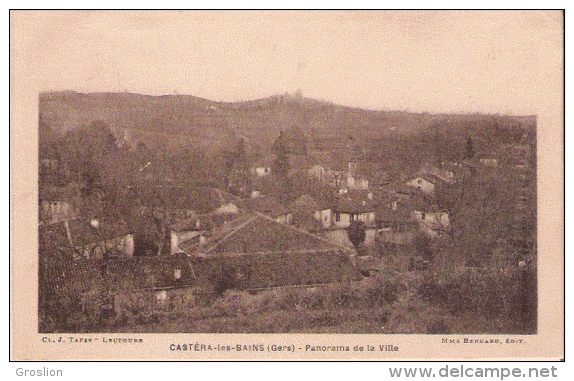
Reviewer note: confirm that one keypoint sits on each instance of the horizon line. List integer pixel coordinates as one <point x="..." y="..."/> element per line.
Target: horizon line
<point x="291" y="96"/>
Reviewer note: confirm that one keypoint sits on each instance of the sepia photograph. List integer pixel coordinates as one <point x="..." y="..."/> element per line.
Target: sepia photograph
<point x="299" y="175"/>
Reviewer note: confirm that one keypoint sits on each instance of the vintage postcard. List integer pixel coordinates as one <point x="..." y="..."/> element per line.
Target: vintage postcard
<point x="257" y="185"/>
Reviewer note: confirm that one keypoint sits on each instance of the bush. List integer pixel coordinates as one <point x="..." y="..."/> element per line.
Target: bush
<point x="483" y="291"/>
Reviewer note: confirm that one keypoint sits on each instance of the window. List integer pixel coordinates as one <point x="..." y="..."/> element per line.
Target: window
<point x="337" y="217"/>
<point x="423" y="215"/>
<point x="177" y="274"/>
<point x="351" y="217"/>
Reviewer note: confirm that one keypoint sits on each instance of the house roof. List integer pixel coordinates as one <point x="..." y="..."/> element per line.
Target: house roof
<point x="148" y="272"/>
<point x="309" y="203"/>
<point x="261" y="234"/>
<point x="388" y="215"/>
<point x="434" y="174"/>
<point x="352" y="206"/>
<point x="137" y="273"/>
<point x="281" y="269"/>
<point x="73" y="277"/>
<point x="306" y="203"/>
<point x="267" y="205"/>
<point x="355" y="201"/>
<point x="246" y="271"/>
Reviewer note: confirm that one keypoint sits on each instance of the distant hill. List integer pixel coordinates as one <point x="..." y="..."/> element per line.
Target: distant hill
<point x="185" y="119"/>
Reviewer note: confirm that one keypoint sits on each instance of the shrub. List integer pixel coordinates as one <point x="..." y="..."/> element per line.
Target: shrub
<point x="488" y="292"/>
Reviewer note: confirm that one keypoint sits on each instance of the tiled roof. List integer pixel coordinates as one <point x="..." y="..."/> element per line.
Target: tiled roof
<point x="137" y="273"/>
<point x="319" y="201"/>
<point x="74" y="277"/>
<point x="280" y="269"/>
<point x="355" y="201"/>
<point x="261" y="234"/>
<point x="386" y="214"/>
<point x="148" y="272"/>
<point x="305" y="203"/>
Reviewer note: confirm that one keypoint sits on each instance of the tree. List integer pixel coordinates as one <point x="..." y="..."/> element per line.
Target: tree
<point x="482" y="217"/>
<point x="469" y="153"/>
<point x="281" y="166"/>
<point x="239" y="179"/>
<point x="422" y="246"/>
<point x="356" y="233"/>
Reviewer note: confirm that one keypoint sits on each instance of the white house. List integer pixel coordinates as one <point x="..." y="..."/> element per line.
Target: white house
<point x="425" y="184"/>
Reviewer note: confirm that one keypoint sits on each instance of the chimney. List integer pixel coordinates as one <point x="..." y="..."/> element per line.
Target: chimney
<point x="95" y="223"/>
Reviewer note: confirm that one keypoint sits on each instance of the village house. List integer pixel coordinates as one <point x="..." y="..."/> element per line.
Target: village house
<point x="57" y="203"/>
<point x="428" y="177"/>
<point x="116" y="287"/>
<point x="356" y="205"/>
<point x="80" y="238"/>
<point x="338" y="169"/>
<point x="255" y="233"/>
<point x="395" y="226"/>
<point x="424" y="183"/>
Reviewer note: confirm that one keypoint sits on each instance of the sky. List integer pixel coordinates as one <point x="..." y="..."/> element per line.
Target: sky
<point x="420" y="61"/>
